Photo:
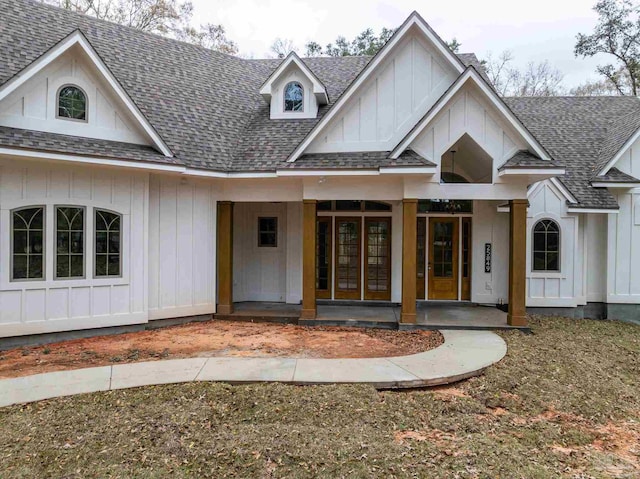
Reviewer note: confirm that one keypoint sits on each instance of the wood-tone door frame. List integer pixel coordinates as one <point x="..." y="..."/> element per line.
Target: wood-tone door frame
<point x="421" y="266"/>
<point x="377" y="295"/>
<point x="465" y="282"/>
<point x="455" y="266"/>
<point x="338" y="293"/>
<point x="321" y="293"/>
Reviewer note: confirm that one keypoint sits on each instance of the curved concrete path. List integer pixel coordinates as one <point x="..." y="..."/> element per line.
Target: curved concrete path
<point x="464" y="354"/>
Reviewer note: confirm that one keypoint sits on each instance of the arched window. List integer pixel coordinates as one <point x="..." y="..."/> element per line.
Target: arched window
<point x="27" y="255"/>
<point x="108" y="243"/>
<point x="293" y="97"/>
<point x="72" y="103"/>
<point x="546" y="246"/>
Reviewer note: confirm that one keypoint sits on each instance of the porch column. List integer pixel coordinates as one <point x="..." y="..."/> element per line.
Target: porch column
<point x="225" y="257"/>
<point x="409" y="252"/>
<point x="517" y="315"/>
<point x="308" y="260"/>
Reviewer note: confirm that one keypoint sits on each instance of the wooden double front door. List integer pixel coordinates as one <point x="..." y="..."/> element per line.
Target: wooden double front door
<point x="340" y="257"/>
<point x="438" y="258"/>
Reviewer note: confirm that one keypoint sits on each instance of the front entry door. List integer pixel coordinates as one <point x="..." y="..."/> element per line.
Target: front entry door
<point x="443" y="258"/>
<point x="347" y="258"/>
<point x="377" y="266"/>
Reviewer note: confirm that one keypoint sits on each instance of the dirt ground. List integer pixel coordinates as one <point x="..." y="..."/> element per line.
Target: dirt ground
<point x="216" y="338"/>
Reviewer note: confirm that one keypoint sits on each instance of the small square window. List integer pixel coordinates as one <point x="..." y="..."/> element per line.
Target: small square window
<point x="267" y="232"/>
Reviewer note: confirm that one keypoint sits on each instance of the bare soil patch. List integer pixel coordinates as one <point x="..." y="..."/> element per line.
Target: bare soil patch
<point x="217" y="338"/>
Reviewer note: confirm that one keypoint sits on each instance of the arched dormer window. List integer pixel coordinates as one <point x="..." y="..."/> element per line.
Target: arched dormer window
<point x="72" y="103"/>
<point x="293" y="97"/>
<point x="546" y="246"/>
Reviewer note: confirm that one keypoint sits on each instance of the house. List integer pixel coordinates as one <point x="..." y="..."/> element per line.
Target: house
<point x="143" y="178"/>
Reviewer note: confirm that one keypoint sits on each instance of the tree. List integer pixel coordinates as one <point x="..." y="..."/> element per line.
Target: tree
<point x="366" y="43"/>
<point x="595" y="88"/>
<point x="281" y="47"/>
<point x="536" y="79"/>
<point x="209" y="36"/>
<point x="165" y="17"/>
<point x="617" y="34"/>
<point x="454" y="45"/>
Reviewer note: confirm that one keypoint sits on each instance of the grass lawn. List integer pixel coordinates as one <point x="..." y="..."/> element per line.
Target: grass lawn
<point x="565" y="402"/>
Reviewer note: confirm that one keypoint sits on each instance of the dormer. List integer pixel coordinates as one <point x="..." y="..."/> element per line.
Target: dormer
<point x="293" y="90"/>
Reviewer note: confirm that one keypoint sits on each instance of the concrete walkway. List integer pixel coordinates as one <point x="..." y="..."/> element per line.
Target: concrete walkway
<point x="464" y="354"/>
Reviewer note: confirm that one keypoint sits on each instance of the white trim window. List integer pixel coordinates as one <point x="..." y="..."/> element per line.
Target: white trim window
<point x="71" y="103"/>
<point x="294" y="97"/>
<point x="70" y="244"/>
<point x="27" y="243"/>
<point x="546" y="246"/>
<point x="108" y="244"/>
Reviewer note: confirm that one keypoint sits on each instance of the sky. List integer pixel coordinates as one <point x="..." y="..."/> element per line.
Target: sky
<point x="532" y="31"/>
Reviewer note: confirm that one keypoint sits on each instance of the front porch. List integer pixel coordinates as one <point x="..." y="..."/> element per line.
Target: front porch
<point x="429" y="315"/>
<point x="373" y="263"/>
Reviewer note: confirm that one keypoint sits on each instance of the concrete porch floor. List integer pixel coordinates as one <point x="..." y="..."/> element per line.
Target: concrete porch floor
<point x="430" y="315"/>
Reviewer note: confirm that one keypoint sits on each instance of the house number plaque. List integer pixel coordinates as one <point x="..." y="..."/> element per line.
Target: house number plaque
<point x="487" y="257"/>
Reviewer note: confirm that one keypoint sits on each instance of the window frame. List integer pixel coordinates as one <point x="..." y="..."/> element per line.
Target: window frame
<point x="284" y="97"/>
<point x="95" y="253"/>
<point x="86" y="104"/>
<point x="260" y="232"/>
<point x="558" y="270"/>
<point x="12" y="279"/>
<point x="84" y="243"/>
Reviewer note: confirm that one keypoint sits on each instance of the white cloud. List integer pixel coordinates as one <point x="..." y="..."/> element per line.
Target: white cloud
<point x="536" y="31"/>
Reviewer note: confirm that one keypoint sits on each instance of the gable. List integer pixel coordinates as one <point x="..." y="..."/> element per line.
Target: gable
<point x="292" y="73"/>
<point x="468" y="113"/>
<point x="387" y="105"/>
<point x="546" y="198"/>
<point x="33" y="105"/>
<point x="627" y="160"/>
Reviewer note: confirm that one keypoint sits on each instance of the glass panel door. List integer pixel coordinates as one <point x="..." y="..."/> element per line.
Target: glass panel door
<point x="323" y="257"/>
<point x="347" y="284"/>
<point x="443" y="258"/>
<point x="378" y="259"/>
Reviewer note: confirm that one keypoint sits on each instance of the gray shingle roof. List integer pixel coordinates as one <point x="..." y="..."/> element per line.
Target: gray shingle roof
<point x="526" y="159"/>
<point x="573" y="130"/>
<point x="358" y="160"/>
<point x="75" y="145"/>
<point x="207" y="108"/>
<point x="614" y="175"/>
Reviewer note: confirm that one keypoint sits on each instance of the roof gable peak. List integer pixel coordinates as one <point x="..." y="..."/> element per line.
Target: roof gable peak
<point x="77" y="39"/>
<point x="319" y="90"/>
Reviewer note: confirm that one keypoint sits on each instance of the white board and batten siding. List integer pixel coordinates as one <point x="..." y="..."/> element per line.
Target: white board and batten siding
<point x="468" y="112"/>
<point x="182" y="242"/>
<point x="563" y="288"/>
<point x="389" y="103"/>
<point x="272" y="274"/>
<point x="623" y="254"/>
<point x="33" y="106"/>
<point x="42" y="306"/>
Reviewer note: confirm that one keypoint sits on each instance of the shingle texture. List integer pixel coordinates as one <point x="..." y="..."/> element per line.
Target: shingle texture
<point x="614" y="175"/>
<point x="358" y="160"/>
<point x="207" y="108"/>
<point x="74" y="145"/>
<point x="526" y="159"/>
<point x="574" y="130"/>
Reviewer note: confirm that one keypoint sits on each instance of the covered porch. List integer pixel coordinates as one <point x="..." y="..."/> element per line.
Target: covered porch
<point x="372" y="268"/>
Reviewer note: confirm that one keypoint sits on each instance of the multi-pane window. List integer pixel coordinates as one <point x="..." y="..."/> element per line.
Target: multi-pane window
<point x="108" y="243"/>
<point x="28" y="243"/>
<point x="69" y="242"/>
<point x="268" y="232"/>
<point x="72" y="103"/>
<point x="293" y="97"/>
<point x="546" y="246"/>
